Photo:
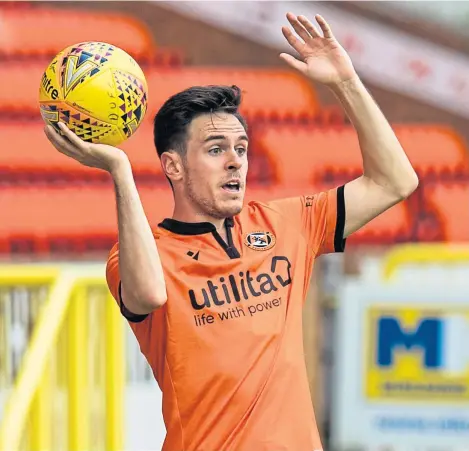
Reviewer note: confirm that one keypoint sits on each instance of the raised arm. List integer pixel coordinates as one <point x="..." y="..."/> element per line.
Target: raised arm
<point x="143" y="288"/>
<point x="388" y="176"/>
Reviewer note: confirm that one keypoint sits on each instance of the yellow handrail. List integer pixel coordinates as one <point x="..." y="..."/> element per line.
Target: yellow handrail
<point x="77" y="360"/>
<point x="35" y="358"/>
<point x="66" y="297"/>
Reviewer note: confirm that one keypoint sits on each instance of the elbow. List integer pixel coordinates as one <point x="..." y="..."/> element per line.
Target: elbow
<point x="155" y="293"/>
<point x="150" y="299"/>
<point x="144" y="299"/>
<point x="405" y="189"/>
<point x="157" y="299"/>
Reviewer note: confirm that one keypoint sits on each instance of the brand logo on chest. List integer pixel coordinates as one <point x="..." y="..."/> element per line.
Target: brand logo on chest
<point x="260" y="241"/>
<point x="242" y="285"/>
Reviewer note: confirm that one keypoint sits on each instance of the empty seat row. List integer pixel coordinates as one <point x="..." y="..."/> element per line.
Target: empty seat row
<point x="69" y="213"/>
<point x="29" y="156"/>
<point x="266" y="92"/>
<point x="307" y="154"/>
<point x="292" y="154"/>
<point x="30" y="151"/>
<point x="41" y="30"/>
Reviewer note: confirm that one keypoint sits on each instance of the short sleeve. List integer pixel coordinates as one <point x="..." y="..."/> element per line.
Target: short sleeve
<point x="114" y="283"/>
<point x="150" y="330"/>
<point x="320" y="217"/>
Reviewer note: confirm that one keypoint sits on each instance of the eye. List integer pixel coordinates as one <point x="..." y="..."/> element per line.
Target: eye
<point x="241" y="150"/>
<point x="215" y="151"/>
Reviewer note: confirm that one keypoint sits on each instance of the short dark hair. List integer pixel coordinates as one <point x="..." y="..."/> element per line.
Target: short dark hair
<point x="172" y="120"/>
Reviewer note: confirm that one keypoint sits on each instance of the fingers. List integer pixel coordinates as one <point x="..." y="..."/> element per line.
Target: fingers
<point x="298" y="27"/>
<point x="310" y="28"/>
<point x="293" y="62"/>
<point x="54" y="137"/>
<point x="292" y="39"/>
<point x="74" y="139"/>
<point x="326" y="29"/>
<point x="62" y="144"/>
<point x="306" y="30"/>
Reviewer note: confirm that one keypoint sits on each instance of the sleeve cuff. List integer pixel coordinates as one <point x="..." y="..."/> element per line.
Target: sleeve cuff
<point x="126" y="313"/>
<point x="339" y="240"/>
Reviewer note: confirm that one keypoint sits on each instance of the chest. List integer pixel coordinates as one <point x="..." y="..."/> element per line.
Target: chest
<point x="215" y="295"/>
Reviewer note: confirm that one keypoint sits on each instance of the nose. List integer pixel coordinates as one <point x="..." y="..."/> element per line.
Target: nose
<point x="233" y="161"/>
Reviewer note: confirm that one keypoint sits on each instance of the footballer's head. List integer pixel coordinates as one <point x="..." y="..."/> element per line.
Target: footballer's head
<point x="202" y="142"/>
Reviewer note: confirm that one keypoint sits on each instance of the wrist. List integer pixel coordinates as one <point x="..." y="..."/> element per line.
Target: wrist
<point x="121" y="169"/>
<point x="342" y="87"/>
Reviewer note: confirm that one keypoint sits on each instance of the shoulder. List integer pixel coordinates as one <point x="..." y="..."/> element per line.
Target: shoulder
<point x="272" y="207"/>
<point x="158" y="234"/>
<point x="272" y="215"/>
<point x="283" y="208"/>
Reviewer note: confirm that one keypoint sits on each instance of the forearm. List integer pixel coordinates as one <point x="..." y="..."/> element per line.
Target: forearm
<point x="384" y="161"/>
<point x="139" y="262"/>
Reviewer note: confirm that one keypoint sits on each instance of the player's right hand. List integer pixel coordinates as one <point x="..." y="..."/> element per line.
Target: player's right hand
<point x="99" y="156"/>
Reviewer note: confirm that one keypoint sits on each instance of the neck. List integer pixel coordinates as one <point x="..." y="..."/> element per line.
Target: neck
<point x="187" y="214"/>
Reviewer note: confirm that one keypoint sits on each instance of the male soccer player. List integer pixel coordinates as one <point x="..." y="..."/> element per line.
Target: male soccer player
<point x="214" y="294"/>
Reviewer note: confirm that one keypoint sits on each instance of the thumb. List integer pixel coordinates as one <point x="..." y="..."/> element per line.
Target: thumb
<point x="293" y="62"/>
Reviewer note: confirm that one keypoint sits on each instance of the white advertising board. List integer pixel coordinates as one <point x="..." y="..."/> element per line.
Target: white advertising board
<point x="401" y="380"/>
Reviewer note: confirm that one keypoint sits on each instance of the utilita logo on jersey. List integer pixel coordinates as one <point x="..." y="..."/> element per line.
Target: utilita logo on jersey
<point x="229" y="291"/>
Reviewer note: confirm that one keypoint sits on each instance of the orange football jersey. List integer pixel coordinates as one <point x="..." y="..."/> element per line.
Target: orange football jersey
<point x="227" y="349"/>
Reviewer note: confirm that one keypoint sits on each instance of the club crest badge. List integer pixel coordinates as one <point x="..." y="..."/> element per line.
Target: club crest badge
<point x="260" y="241"/>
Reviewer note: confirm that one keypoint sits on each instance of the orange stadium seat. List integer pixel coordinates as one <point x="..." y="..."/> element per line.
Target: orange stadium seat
<point x="302" y="154"/>
<point x="39" y="217"/>
<point x="306" y="154"/>
<point x="30" y="152"/>
<point x="434" y="149"/>
<point x="46" y="31"/>
<point x="72" y="210"/>
<point x="29" y="157"/>
<point x="450" y="203"/>
<point x="266" y="92"/>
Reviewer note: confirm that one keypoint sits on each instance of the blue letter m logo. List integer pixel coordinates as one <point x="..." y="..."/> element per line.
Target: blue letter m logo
<point x="427" y="336"/>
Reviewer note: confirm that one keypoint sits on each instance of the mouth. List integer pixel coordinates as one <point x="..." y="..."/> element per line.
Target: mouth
<point x="232" y="187"/>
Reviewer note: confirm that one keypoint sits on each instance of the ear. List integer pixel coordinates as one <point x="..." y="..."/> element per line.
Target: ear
<point x="172" y="165"/>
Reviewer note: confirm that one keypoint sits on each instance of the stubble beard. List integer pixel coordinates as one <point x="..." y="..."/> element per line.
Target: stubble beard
<point x="206" y="206"/>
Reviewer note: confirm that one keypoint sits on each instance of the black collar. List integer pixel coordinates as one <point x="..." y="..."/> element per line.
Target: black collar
<point x="191" y="228"/>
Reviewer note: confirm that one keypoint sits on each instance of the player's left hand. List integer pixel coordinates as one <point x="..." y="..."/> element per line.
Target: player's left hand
<point x="320" y="57"/>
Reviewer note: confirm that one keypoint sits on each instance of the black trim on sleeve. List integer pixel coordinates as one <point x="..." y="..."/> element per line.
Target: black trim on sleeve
<point x="126" y="313"/>
<point x="339" y="240"/>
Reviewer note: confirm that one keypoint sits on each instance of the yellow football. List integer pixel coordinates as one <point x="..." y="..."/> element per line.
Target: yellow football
<point x="97" y="89"/>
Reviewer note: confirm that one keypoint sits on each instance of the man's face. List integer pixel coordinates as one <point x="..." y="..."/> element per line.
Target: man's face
<point x="216" y="165"/>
